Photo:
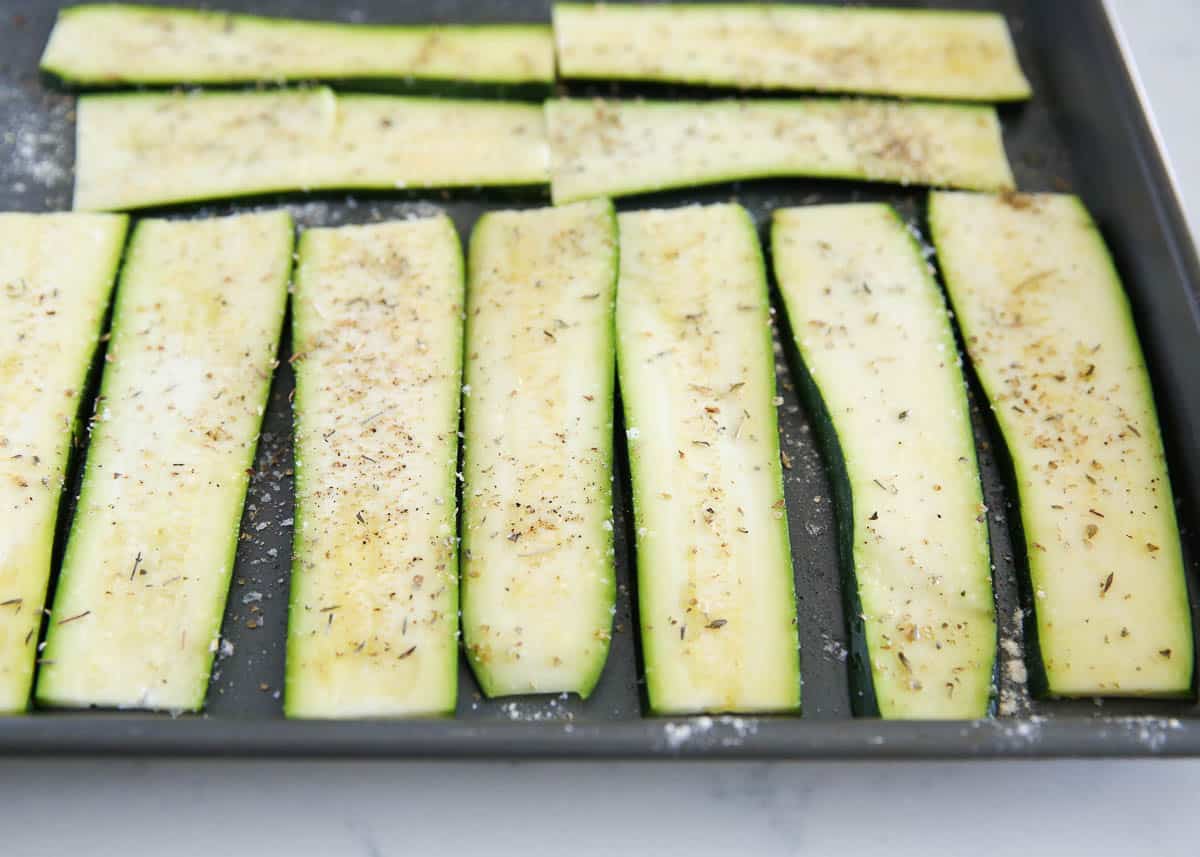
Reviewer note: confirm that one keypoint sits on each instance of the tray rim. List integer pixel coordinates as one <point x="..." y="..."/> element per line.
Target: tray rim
<point x="56" y="733"/>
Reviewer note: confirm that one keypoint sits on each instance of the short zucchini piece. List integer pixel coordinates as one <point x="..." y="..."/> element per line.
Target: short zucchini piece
<point x="377" y="333"/>
<point x="716" y="591"/>
<point x="140" y="149"/>
<point x="1048" y="327"/>
<point x="116" y="44"/>
<point x="616" y="148"/>
<point x="539" y="583"/>
<point x="56" y="276"/>
<point x="138" y="608"/>
<point x="882" y="369"/>
<point x="905" y="52"/>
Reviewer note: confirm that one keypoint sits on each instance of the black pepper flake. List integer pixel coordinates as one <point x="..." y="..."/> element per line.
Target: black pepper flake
<point x="717" y="623"/>
<point x="1106" y="585"/>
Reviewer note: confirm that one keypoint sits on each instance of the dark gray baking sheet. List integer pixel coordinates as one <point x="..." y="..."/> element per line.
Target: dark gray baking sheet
<point x="1084" y="131"/>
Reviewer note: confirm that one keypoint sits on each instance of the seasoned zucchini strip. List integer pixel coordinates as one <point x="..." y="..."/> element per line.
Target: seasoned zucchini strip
<point x="616" y="148"/>
<point x="377" y="330"/>
<point x="715" y="583"/>
<point x="56" y="276"/>
<point x="1048" y="327"/>
<point x="138" y="608"/>
<point x="538" y="578"/>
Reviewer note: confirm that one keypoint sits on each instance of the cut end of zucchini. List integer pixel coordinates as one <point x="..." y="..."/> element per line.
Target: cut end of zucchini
<point x="137" y="612"/>
<point x="873" y="333"/>
<point x="142" y="149"/>
<point x="1048" y="327"/>
<point x="538" y="569"/>
<point x="56" y="275"/>
<point x="616" y="148"/>
<point x="111" y="44"/>
<point x="912" y="53"/>
<point x="715" y="584"/>
<point x="377" y="318"/>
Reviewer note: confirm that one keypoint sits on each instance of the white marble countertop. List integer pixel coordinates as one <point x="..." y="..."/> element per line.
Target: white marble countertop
<point x="1065" y="808"/>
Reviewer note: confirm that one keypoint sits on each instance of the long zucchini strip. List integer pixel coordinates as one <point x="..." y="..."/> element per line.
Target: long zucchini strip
<point x="715" y="584"/>
<point x="140" y="597"/>
<point x="616" y="148"/>
<point x="1048" y="327"/>
<point x="141" y="149"/>
<point x="56" y="276"/>
<point x="882" y="368"/>
<point x="377" y="330"/>
<point x="109" y="44"/>
<point x="538" y="578"/>
<point x="905" y="52"/>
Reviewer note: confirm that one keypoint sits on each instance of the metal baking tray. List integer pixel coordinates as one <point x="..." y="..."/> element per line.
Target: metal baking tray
<point x="1084" y="131"/>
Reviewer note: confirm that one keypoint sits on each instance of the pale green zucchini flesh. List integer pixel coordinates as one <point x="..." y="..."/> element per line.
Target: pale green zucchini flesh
<point x="539" y="582"/>
<point x="616" y="148"/>
<point x="56" y="275"/>
<point x="1048" y="328"/>
<point x="141" y="149"/>
<point x="872" y="331"/>
<point x="110" y="44"/>
<point x="714" y="572"/>
<point x="377" y="333"/>
<point x="137" y="611"/>
<point x="904" y="52"/>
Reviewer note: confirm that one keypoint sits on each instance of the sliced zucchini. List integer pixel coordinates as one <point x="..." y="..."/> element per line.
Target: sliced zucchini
<point x="539" y="585"/>
<point x="56" y="275"/>
<point x="138" y="607"/>
<point x="907" y="52"/>
<point x="141" y="149"/>
<point x="112" y="44"/>
<point x="882" y="369"/>
<point x="715" y="586"/>
<point x="1049" y="330"/>
<point x="616" y="148"/>
<point x="377" y="327"/>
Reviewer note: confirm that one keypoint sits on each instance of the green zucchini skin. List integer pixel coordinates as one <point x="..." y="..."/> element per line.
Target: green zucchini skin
<point x="58" y="272"/>
<point x="856" y="288"/>
<point x="695" y="669"/>
<point x="1048" y="327"/>
<point x="393" y="651"/>
<point x="539" y="588"/>
<point x="793" y="47"/>
<point x="618" y="148"/>
<point x="398" y="57"/>
<point x="136" y="150"/>
<point x="131" y="665"/>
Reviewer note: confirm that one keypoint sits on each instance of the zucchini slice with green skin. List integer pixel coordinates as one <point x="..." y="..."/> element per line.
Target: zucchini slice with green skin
<point x="56" y="276"/>
<point x="716" y="594"/>
<point x="906" y="52"/>
<point x="616" y="148"/>
<point x="883" y="370"/>
<point x="137" y="612"/>
<point x="539" y="583"/>
<point x="116" y="44"/>
<point x="377" y="326"/>
<point x="140" y="149"/>
<point x="1048" y="328"/>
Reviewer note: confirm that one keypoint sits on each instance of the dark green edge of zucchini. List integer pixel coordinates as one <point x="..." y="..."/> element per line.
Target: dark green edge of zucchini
<point x="864" y="701"/>
<point x="251" y="454"/>
<point x="296" y="567"/>
<point x="1038" y="680"/>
